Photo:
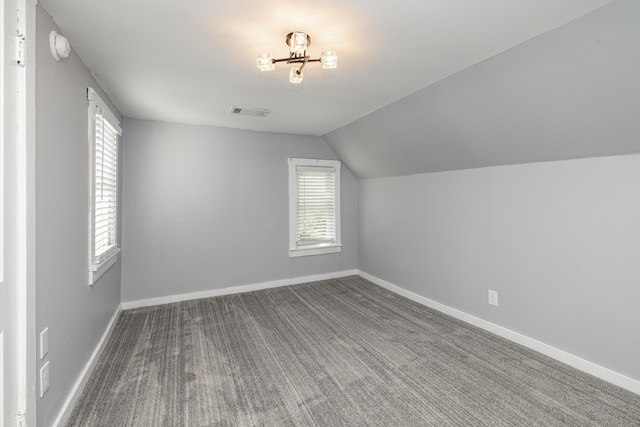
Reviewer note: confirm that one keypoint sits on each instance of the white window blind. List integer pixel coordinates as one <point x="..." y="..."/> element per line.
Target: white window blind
<point x="104" y="131"/>
<point x="106" y="187"/>
<point x="314" y="206"/>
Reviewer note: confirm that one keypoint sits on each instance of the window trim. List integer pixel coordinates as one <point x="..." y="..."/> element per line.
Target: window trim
<point x="296" y="250"/>
<point x="99" y="265"/>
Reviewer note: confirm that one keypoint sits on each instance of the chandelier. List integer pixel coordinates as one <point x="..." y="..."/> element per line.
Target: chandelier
<point x="298" y="43"/>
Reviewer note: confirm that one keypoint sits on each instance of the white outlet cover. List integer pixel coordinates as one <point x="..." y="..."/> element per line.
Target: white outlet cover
<point x="493" y="297"/>
<point x="44" y="379"/>
<point x="44" y="343"/>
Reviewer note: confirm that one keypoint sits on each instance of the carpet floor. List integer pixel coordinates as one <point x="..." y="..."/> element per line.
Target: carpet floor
<point x="341" y="352"/>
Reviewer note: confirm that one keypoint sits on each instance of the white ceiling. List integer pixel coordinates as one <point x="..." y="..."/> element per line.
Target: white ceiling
<point x="191" y="61"/>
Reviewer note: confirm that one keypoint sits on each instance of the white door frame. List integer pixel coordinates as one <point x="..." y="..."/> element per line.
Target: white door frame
<point x="17" y="297"/>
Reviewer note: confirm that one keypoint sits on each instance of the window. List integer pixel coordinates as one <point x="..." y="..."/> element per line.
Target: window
<point x="104" y="130"/>
<point x="314" y="207"/>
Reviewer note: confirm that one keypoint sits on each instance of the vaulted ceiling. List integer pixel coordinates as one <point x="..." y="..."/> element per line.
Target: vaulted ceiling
<point x="421" y="86"/>
<point x="570" y="93"/>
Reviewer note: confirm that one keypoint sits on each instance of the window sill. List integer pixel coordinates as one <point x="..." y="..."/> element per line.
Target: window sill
<point x="96" y="271"/>
<point x="314" y="250"/>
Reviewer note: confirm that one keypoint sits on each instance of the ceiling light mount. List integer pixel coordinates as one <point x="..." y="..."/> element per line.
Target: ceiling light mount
<point x="298" y="43"/>
<point x="300" y="40"/>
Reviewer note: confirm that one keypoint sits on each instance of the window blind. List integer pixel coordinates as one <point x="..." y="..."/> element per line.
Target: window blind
<point x="316" y="205"/>
<point x="103" y="134"/>
<point x="106" y="186"/>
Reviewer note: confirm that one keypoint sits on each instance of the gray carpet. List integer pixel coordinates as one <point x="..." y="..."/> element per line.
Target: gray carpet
<point x="339" y="352"/>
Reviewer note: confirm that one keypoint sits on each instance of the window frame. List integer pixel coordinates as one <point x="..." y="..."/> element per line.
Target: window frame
<point x="295" y="249"/>
<point x="98" y="265"/>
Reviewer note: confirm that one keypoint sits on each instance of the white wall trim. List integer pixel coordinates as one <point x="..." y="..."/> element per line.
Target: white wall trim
<point x="557" y="354"/>
<point x="73" y="397"/>
<point x="235" y="289"/>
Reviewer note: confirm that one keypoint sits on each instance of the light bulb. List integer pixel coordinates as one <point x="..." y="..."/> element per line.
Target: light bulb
<point x="299" y="42"/>
<point x="329" y="59"/>
<point x="265" y="62"/>
<point x="295" y="76"/>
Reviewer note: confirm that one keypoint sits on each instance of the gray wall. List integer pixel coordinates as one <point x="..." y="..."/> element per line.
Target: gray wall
<point x="570" y="93"/>
<point x="77" y="315"/>
<point x="559" y="241"/>
<point x="207" y="208"/>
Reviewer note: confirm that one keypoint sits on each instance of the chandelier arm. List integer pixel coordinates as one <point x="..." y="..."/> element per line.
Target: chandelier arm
<point x="295" y="60"/>
<point x="306" y="59"/>
<point x="288" y="60"/>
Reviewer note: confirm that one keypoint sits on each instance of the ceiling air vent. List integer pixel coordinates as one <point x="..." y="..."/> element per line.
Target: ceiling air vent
<point x="253" y="112"/>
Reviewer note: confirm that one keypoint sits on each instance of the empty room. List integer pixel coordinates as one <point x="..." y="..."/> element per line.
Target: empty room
<point x="332" y="213"/>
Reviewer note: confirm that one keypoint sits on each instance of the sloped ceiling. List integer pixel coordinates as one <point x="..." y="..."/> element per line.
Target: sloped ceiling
<point x="573" y="92"/>
<point x="191" y="61"/>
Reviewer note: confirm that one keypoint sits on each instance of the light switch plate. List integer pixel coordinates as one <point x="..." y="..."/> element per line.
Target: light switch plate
<point x="44" y="343"/>
<point x="44" y="379"/>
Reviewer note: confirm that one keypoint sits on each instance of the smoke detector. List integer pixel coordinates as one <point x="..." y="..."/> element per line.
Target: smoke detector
<point x="60" y="47"/>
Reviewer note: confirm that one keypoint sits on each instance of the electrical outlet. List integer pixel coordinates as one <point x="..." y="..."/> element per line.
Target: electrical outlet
<point x="44" y="379"/>
<point x="493" y="297"/>
<point x="44" y="343"/>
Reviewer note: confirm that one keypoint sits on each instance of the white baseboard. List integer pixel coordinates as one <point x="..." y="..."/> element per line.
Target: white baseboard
<point x="559" y="355"/>
<point x="70" y="403"/>
<point x="235" y="289"/>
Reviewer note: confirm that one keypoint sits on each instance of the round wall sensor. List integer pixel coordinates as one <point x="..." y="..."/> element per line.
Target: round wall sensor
<point x="60" y="47"/>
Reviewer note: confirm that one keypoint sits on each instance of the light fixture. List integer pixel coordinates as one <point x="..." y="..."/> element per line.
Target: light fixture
<point x="265" y="62"/>
<point x="329" y="59"/>
<point x="295" y="76"/>
<point x="298" y="43"/>
<point x="59" y="44"/>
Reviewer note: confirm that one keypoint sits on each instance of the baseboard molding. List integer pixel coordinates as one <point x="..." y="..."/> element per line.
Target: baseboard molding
<point x="70" y="403"/>
<point x="234" y="289"/>
<point x="557" y="354"/>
